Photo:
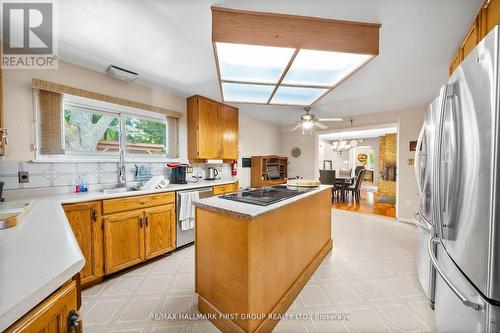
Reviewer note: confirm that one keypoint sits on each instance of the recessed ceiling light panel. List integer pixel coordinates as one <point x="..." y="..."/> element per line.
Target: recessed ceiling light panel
<point x="297" y="95"/>
<point x="246" y="93"/>
<point x="252" y="63"/>
<point x="322" y="68"/>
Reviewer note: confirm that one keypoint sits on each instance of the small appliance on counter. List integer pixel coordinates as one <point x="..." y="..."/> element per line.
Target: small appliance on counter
<point x="212" y="174"/>
<point x="178" y="175"/>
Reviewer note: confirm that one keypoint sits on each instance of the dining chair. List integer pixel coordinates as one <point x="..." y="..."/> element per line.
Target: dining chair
<point x="355" y="189"/>
<point x="327" y="177"/>
<point x="358" y="169"/>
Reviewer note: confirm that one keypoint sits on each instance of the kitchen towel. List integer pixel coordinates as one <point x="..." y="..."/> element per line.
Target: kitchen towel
<point x="186" y="211"/>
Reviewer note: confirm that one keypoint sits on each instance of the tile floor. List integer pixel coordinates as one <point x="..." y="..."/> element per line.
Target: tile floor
<point x="370" y="275"/>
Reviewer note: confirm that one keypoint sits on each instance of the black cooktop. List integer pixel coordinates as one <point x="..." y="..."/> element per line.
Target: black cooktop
<point x="267" y="195"/>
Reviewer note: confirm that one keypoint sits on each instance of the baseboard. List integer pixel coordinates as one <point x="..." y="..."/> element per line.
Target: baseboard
<point x="228" y="326"/>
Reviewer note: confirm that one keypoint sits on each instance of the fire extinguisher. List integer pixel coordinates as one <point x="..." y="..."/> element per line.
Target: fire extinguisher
<point x="234" y="168"/>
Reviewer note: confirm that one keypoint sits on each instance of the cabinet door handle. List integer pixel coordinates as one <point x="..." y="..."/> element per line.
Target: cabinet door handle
<point x="94" y="215"/>
<point x="147" y="221"/>
<point x="141" y="222"/>
<point x="74" y="322"/>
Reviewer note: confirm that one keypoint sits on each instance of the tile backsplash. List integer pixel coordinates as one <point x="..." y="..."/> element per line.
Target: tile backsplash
<point x="65" y="174"/>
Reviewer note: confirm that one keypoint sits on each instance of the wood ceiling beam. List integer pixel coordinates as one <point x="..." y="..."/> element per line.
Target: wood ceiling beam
<point x="294" y="31"/>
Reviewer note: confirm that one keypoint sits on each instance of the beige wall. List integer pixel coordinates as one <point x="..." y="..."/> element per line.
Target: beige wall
<point x="18" y="101"/>
<point x="410" y="122"/>
<point x="256" y="138"/>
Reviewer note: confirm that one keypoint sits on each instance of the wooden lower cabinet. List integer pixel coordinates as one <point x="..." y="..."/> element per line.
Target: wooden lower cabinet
<point x="160" y="230"/>
<point x="85" y="220"/>
<point x="134" y="236"/>
<point x="226" y="188"/>
<point x="56" y="314"/>
<point x="123" y="240"/>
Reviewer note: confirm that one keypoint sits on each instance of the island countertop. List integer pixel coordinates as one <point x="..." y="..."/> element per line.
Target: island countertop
<point x="253" y="261"/>
<point x="250" y="211"/>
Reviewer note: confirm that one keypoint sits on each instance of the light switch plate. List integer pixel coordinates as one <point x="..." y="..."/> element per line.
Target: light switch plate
<point x="23" y="177"/>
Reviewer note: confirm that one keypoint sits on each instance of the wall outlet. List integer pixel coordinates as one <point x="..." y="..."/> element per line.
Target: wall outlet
<point x="408" y="203"/>
<point x="23" y="177"/>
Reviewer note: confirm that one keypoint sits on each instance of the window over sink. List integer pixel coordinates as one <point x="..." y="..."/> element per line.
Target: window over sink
<point x="82" y="128"/>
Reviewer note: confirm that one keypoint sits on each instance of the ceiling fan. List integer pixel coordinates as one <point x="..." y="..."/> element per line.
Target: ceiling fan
<point x="308" y="120"/>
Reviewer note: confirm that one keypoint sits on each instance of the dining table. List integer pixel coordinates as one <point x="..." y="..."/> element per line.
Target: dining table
<point x="343" y="181"/>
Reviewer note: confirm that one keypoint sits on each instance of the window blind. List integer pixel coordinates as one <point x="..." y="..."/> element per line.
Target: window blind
<point x="50" y="118"/>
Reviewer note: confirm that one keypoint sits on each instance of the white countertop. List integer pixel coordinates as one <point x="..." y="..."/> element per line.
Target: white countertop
<point x="250" y="211"/>
<point x="41" y="253"/>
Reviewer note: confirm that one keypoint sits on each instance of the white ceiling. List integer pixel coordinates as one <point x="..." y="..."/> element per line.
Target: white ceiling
<point x="358" y="134"/>
<point x="169" y="44"/>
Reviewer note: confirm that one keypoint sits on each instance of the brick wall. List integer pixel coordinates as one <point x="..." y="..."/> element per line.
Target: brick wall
<point x="387" y="157"/>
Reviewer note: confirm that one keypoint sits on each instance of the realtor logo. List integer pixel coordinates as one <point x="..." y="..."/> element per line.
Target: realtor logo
<point x="28" y="35"/>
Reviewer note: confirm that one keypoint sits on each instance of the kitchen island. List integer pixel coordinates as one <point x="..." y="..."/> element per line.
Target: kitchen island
<point x="252" y="261"/>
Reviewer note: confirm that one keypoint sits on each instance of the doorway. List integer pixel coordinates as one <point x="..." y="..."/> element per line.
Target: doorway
<point x="374" y="150"/>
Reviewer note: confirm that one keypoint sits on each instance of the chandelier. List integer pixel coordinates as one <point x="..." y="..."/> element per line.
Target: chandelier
<point x="341" y="145"/>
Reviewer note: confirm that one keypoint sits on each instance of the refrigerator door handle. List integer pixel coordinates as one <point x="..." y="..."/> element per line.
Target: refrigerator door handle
<point x="453" y="287"/>
<point x="416" y="164"/>
<point x="426" y="226"/>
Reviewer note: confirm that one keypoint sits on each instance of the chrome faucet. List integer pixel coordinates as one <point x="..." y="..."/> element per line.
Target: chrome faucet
<point x="122" y="177"/>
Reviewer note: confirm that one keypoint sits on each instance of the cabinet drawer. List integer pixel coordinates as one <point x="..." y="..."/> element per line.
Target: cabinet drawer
<point x="224" y="189"/>
<point x="111" y="206"/>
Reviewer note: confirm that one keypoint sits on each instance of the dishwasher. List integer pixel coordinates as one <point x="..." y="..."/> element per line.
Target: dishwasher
<point x="184" y="237"/>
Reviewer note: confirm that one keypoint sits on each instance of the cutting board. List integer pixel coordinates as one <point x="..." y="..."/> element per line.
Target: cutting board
<point x="303" y="182"/>
<point x="12" y="213"/>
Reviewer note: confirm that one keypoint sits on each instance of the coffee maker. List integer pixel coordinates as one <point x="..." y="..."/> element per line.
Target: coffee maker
<point x="178" y="175"/>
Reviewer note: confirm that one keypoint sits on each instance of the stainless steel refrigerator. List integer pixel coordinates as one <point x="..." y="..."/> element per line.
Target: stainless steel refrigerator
<point x="464" y="245"/>
<point x="423" y="164"/>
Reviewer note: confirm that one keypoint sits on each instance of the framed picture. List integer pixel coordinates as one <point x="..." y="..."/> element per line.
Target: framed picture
<point x="413" y="145"/>
<point x="327" y="165"/>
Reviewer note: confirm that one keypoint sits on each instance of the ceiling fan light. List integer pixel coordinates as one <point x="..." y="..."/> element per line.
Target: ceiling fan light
<point x="307" y="124"/>
<point x="334" y="145"/>
<point x="353" y="143"/>
<point x="342" y="144"/>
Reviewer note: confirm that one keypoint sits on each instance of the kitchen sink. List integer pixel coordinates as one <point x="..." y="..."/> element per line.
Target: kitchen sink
<point x="119" y="190"/>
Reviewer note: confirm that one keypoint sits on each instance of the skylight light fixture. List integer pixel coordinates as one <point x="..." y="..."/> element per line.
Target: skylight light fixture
<point x="246" y="93"/>
<point x="296" y="95"/>
<point x="322" y="68"/>
<point x="252" y="63"/>
<point x="278" y="59"/>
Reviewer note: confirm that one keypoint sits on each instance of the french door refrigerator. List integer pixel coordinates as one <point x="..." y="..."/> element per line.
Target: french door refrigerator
<point x="423" y="165"/>
<point x="465" y="250"/>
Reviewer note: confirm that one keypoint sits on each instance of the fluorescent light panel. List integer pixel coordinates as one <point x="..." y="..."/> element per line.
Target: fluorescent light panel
<point x="321" y="68"/>
<point x="310" y="75"/>
<point x="246" y="93"/>
<point x="252" y="63"/>
<point x="296" y="95"/>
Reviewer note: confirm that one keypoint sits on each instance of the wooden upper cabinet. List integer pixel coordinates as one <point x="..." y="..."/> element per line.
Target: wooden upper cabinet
<point x="455" y="62"/>
<point x="123" y="240"/>
<point x="486" y="19"/>
<point x="490" y="16"/>
<point x="85" y="220"/>
<point x="472" y="38"/>
<point x="160" y="230"/>
<point x="212" y="129"/>
<point x="52" y="315"/>
<point x="229" y="132"/>
<point x="203" y="115"/>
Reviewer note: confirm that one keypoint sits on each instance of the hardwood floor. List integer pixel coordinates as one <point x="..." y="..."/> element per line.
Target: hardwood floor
<point x="368" y="204"/>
